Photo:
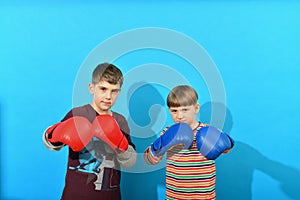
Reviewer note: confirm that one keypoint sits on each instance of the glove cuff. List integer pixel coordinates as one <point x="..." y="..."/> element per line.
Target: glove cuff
<point x="123" y="146"/>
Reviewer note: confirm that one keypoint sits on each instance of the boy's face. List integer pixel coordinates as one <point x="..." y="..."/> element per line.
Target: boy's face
<point x="105" y="95"/>
<point x="186" y="114"/>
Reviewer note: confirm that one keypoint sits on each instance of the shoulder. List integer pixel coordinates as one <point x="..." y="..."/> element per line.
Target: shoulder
<point x="203" y="124"/>
<point x="84" y="111"/>
<point x="84" y="108"/>
<point x="164" y="130"/>
<point x="119" y="117"/>
<point x="121" y="120"/>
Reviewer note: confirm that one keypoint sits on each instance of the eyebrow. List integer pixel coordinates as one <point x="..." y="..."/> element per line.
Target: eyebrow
<point x="182" y="108"/>
<point x="103" y="87"/>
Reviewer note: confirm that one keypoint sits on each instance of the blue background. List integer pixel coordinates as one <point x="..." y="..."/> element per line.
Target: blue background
<point x="254" y="44"/>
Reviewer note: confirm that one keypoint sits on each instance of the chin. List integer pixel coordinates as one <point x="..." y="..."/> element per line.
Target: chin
<point x="105" y="109"/>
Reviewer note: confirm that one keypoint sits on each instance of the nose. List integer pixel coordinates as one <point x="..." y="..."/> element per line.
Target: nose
<point x="180" y="115"/>
<point x="108" y="95"/>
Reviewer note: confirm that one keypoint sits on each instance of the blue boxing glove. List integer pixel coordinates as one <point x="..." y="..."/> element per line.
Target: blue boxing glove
<point x="211" y="142"/>
<point x="180" y="133"/>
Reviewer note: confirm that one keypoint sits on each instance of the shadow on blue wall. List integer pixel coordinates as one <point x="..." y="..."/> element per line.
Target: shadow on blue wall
<point x="143" y="185"/>
<point x="235" y="170"/>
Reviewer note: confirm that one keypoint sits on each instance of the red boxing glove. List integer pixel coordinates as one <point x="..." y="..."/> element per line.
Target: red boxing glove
<point x="107" y="129"/>
<point x="74" y="132"/>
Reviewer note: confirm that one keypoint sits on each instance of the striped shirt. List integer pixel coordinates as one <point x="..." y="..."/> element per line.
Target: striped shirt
<point x="189" y="175"/>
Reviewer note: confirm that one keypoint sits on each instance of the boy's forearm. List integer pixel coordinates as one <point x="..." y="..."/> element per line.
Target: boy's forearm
<point x="48" y="144"/>
<point x="127" y="158"/>
<point x="150" y="159"/>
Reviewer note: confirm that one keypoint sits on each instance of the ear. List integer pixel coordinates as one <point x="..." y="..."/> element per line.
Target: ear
<point x="91" y="87"/>
<point x="197" y="108"/>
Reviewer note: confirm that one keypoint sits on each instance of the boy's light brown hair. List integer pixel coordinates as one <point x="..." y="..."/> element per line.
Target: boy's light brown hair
<point x="182" y="95"/>
<point x="107" y="72"/>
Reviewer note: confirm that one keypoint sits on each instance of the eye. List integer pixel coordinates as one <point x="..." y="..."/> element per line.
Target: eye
<point x="103" y="89"/>
<point x="116" y="91"/>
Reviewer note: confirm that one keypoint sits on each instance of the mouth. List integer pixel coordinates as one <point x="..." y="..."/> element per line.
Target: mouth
<point x="106" y="103"/>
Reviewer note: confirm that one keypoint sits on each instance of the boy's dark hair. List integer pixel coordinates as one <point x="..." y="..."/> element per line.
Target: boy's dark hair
<point x="182" y="95"/>
<point x="107" y="72"/>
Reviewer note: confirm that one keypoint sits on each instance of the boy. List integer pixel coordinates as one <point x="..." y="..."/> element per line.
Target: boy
<point x="190" y="172"/>
<point x="98" y="139"/>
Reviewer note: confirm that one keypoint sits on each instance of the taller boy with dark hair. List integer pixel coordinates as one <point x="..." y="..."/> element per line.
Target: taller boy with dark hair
<point x="98" y="139"/>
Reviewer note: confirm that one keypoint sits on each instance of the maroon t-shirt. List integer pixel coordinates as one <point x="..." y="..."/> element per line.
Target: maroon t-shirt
<point x="95" y="163"/>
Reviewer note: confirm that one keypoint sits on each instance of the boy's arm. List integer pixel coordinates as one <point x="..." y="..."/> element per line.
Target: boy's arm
<point x="127" y="158"/>
<point x="179" y="134"/>
<point x="106" y="128"/>
<point x="49" y="145"/>
<point x="74" y="132"/>
<point x="212" y="142"/>
<point x="150" y="159"/>
<point x="45" y="137"/>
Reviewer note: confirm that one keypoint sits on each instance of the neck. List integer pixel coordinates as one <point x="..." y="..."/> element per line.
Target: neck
<point x="194" y="125"/>
<point x="99" y="111"/>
